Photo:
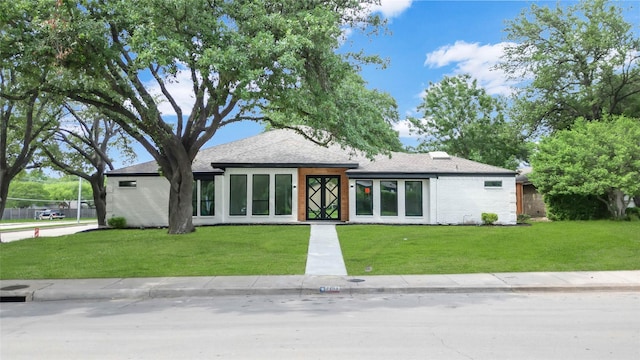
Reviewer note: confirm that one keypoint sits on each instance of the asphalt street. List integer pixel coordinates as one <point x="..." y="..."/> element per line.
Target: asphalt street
<point x="46" y="228"/>
<point x="585" y="325"/>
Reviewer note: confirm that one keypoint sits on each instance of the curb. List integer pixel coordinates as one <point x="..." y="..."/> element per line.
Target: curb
<point x="157" y="293"/>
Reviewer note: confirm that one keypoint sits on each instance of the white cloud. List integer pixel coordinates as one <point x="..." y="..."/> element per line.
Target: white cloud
<point x="477" y="60"/>
<point x="392" y="8"/>
<point x="403" y="127"/>
<point x="180" y="88"/>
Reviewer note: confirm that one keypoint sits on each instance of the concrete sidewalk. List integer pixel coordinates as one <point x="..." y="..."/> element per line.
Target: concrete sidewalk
<point x="166" y="287"/>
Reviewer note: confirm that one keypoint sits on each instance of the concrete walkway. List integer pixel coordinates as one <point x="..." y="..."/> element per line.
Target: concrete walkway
<point x="324" y="256"/>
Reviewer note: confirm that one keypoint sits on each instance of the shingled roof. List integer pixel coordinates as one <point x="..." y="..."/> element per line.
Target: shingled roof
<point x="286" y="148"/>
<point x="424" y="165"/>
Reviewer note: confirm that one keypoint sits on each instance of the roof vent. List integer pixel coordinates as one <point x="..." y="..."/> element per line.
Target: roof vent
<point x="439" y="155"/>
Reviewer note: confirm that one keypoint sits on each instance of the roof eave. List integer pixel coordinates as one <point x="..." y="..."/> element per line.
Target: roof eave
<point x="284" y="165"/>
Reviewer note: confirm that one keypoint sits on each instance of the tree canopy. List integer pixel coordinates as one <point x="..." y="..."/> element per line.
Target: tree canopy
<point x="594" y="158"/>
<point x="84" y="144"/>
<point x="577" y="61"/>
<point x="260" y="60"/>
<point x="461" y="118"/>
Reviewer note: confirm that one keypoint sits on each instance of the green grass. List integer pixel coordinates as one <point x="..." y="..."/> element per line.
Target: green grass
<point x="557" y="246"/>
<point x="282" y="250"/>
<point x="218" y="250"/>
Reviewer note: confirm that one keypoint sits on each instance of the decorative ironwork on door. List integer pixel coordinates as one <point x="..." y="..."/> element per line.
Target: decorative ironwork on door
<point x="323" y="197"/>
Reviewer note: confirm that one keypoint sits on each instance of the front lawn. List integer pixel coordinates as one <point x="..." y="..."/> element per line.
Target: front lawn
<point x="217" y="250"/>
<point x="557" y="246"/>
<point x="282" y="250"/>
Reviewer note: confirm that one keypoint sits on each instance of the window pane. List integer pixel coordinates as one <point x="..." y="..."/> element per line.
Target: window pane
<point x="389" y="198"/>
<point x="283" y="194"/>
<point x="413" y="198"/>
<point x="207" y="197"/>
<point x="238" y="195"/>
<point x="127" y="183"/>
<point x="194" y="198"/>
<point x="260" y="203"/>
<point x="364" y="197"/>
<point x="497" y="183"/>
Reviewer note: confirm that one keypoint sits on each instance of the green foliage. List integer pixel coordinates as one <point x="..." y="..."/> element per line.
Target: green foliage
<point x="523" y="218"/>
<point x="28" y="191"/>
<point x="67" y="190"/>
<point x="459" y="117"/>
<point x="575" y="207"/>
<point x="633" y="213"/>
<point x="582" y="59"/>
<point x="601" y="159"/>
<point x="548" y="246"/>
<point x="37" y="189"/>
<point x="489" y="218"/>
<point x="117" y="222"/>
<point x="263" y="60"/>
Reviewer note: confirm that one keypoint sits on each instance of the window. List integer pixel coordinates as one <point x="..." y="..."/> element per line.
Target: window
<point x="127" y="183"/>
<point x="492" y="183"/>
<point x="413" y="198"/>
<point x="389" y="198"/>
<point x="364" y="197"/>
<point x="206" y="190"/>
<point x="238" y="195"/>
<point x="207" y="197"/>
<point x="260" y="200"/>
<point x="283" y="194"/>
<point x="194" y="199"/>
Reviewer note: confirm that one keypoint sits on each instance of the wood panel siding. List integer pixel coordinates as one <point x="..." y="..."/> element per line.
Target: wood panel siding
<point x="302" y="190"/>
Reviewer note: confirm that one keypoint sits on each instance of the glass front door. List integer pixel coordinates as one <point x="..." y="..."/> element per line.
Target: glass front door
<point x="323" y="197"/>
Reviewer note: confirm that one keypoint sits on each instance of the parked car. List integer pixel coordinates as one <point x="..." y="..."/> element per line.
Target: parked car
<point x="51" y="214"/>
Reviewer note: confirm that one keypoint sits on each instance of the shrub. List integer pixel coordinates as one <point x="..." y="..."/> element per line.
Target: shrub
<point x="633" y="214"/>
<point x="489" y="218"/>
<point x="523" y="218"/>
<point x="575" y="207"/>
<point x="117" y="222"/>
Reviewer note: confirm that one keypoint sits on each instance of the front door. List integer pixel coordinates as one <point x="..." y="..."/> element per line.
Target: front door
<point x="323" y="197"/>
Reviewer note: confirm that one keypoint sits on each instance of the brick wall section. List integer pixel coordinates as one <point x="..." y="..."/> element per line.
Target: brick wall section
<point x="302" y="190"/>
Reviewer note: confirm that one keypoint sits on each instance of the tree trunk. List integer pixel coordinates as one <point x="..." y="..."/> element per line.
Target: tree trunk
<point x="180" y="199"/>
<point x="99" y="198"/>
<point x="4" y="191"/>
<point x="617" y="205"/>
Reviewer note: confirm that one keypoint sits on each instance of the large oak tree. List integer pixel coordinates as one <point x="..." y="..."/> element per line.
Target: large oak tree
<point x="271" y="61"/>
<point x="25" y="121"/>
<point x="577" y="61"/>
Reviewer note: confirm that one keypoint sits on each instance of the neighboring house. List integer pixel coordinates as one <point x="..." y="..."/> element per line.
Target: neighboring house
<point x="529" y="200"/>
<point x="281" y="177"/>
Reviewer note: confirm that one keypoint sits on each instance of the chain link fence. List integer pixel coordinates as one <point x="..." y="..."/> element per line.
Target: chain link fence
<point x="21" y="214"/>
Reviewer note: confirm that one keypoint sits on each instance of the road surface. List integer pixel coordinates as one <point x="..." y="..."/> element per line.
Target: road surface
<point x="23" y="231"/>
<point x="585" y="325"/>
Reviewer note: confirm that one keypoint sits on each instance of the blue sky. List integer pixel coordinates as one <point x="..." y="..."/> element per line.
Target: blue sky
<point x="428" y="40"/>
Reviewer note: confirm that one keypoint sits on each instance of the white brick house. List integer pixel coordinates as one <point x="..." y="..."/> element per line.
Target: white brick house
<point x="281" y="177"/>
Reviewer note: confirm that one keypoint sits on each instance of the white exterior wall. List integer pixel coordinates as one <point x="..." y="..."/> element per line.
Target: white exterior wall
<point x="462" y="200"/>
<point x="401" y="218"/>
<point x="145" y="205"/>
